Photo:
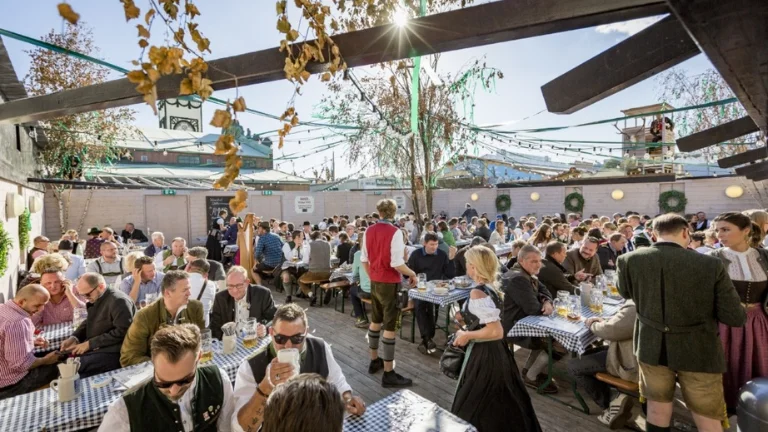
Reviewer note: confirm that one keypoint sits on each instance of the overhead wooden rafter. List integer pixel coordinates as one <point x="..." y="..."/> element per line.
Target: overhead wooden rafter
<point x="752" y="169"/>
<point x="718" y="134"/>
<point x="637" y="58"/>
<point x="480" y="25"/>
<point x="743" y="158"/>
<point x="734" y="35"/>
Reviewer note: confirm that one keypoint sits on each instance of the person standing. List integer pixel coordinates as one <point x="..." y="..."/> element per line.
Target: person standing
<point x="746" y="352"/>
<point x="383" y="258"/>
<point x="215" y="235"/>
<point x="98" y="339"/>
<point x="490" y="393"/>
<point x="469" y="213"/>
<point x="20" y="371"/>
<point x="676" y="336"/>
<point x="701" y="224"/>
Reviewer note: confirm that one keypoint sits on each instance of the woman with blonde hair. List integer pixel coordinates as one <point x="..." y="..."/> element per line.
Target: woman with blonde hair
<point x="130" y="259"/>
<point x="541" y="237"/>
<point x="50" y="261"/>
<point x="490" y="393"/>
<point x="75" y="238"/>
<point x="760" y="217"/>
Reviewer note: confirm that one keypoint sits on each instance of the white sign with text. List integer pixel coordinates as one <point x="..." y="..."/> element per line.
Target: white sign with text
<point x="305" y="204"/>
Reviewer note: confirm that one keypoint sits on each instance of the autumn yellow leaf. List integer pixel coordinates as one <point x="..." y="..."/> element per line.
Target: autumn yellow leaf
<point x="130" y="9"/>
<point x="169" y="6"/>
<point x="149" y="15"/>
<point x="295" y="121"/>
<point x="221" y="119"/>
<point x="66" y="12"/>
<point x="191" y="9"/>
<point x="305" y="75"/>
<point x="143" y="43"/>
<point x="153" y="75"/>
<point x="205" y="91"/>
<point x="325" y="77"/>
<point x="239" y="202"/>
<point x="224" y="144"/>
<point x="281" y="143"/>
<point x="335" y="50"/>
<point x="198" y="65"/>
<point x="239" y="104"/>
<point x="283" y="26"/>
<point x="135" y="62"/>
<point x="178" y="35"/>
<point x="292" y="35"/>
<point x="136" y="76"/>
<point x="186" y="87"/>
<point x="151" y="99"/>
<point x="143" y="32"/>
<point x="280" y="7"/>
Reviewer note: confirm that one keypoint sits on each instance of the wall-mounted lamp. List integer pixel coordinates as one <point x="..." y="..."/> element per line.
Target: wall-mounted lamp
<point x="474" y="197"/>
<point x="617" y="194"/>
<point x="734" y="191"/>
<point x="535" y="196"/>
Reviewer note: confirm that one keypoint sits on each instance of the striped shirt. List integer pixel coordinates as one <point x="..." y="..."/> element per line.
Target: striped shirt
<point x="148" y="287"/>
<point x="17" y="339"/>
<point x="56" y="313"/>
<point x="270" y="247"/>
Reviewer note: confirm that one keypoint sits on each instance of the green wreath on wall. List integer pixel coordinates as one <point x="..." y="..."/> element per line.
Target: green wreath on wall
<point x="666" y="199"/>
<point x="25" y="226"/>
<point x="503" y="203"/>
<point x="576" y="207"/>
<point x="5" y="246"/>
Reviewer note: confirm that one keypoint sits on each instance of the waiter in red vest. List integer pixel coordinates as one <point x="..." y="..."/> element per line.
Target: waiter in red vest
<point x="383" y="258"/>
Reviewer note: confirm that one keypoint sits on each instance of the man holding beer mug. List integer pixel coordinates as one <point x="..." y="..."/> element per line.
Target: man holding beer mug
<point x="291" y="352"/>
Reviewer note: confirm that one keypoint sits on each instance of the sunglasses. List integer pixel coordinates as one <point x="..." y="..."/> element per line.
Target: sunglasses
<point x="168" y="384"/>
<point x="283" y="339"/>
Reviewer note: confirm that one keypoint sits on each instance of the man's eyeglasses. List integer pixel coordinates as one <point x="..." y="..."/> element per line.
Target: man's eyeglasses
<point x="88" y="294"/>
<point x="236" y="286"/>
<point x="283" y="339"/>
<point x="168" y="384"/>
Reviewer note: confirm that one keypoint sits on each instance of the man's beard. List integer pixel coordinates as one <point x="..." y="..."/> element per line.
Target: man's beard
<point x="177" y="398"/>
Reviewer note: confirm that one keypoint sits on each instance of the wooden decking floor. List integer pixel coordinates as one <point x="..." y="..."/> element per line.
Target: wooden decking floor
<point x="351" y="352"/>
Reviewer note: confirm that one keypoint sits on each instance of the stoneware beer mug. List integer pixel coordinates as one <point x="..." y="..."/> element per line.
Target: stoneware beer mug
<point x="229" y="343"/>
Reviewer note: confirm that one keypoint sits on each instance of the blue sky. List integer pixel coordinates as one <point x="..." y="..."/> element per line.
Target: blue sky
<point x="247" y="25"/>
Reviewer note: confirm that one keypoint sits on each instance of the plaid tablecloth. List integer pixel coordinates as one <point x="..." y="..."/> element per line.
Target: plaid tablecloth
<point x="575" y="337"/>
<point x="55" y="334"/>
<point x="442" y="300"/>
<point x="41" y="410"/>
<point x="406" y="411"/>
<point x="302" y="264"/>
<point x="503" y="249"/>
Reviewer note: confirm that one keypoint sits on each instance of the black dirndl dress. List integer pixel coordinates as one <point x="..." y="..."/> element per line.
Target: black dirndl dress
<point x="213" y="244"/>
<point x="491" y="394"/>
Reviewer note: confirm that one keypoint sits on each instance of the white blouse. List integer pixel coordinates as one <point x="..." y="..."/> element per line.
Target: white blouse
<point x="485" y="310"/>
<point x="745" y="266"/>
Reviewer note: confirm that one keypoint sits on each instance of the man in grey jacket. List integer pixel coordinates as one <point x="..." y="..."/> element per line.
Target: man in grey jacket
<point x="678" y="311"/>
<point x="98" y="339"/>
<point x="618" y="360"/>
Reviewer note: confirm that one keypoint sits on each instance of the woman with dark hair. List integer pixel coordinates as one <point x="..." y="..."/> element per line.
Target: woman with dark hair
<point x="541" y="237"/>
<point x="746" y="350"/>
<point x="577" y="237"/>
<point x="342" y="250"/>
<point x="447" y="234"/>
<point x="598" y="234"/>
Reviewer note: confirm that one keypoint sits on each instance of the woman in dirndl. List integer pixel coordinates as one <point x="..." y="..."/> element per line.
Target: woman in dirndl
<point x="746" y="348"/>
<point x="490" y="394"/>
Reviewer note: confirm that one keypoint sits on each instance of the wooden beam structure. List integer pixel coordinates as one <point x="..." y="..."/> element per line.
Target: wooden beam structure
<point x="734" y="35"/>
<point x="743" y="158"/>
<point x="752" y="168"/>
<point x="718" y="134"/>
<point x="485" y="24"/>
<point x="637" y="58"/>
<point x="759" y="176"/>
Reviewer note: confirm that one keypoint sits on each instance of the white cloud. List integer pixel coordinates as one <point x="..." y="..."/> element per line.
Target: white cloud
<point x="628" y="27"/>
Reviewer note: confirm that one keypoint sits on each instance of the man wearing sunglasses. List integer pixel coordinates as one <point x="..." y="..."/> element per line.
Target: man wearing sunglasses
<point x="258" y="377"/>
<point x="98" y="339"/>
<point x="181" y="395"/>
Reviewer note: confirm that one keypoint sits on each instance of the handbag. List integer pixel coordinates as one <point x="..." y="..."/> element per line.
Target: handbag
<point x="452" y="360"/>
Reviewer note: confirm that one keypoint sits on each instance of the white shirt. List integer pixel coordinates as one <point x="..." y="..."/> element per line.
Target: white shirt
<point x="396" y="250"/>
<point x="76" y="269"/>
<point x="116" y="419"/>
<point x="245" y="384"/>
<point x="197" y="283"/>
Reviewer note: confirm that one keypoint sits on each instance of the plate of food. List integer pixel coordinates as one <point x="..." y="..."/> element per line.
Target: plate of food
<point x="462" y="282"/>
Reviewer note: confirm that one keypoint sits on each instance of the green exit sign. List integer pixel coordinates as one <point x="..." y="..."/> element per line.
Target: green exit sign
<point x="266" y="192"/>
<point x="377" y="193"/>
<point x="169" y="191"/>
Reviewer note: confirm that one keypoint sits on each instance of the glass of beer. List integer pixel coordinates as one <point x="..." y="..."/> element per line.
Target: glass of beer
<point x="596" y="302"/>
<point x="250" y="339"/>
<point x="422" y="282"/>
<point x="206" y="344"/>
<point x="574" y="309"/>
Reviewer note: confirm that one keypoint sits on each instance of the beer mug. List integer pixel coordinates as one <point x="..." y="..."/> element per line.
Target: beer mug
<point x="422" y="282"/>
<point x="574" y="309"/>
<point x="596" y="302"/>
<point x="250" y="338"/>
<point x="206" y="343"/>
<point x="66" y="389"/>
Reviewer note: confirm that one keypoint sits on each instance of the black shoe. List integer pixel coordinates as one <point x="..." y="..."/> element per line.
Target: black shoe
<point x="288" y="299"/>
<point x="327" y="298"/>
<point x="423" y="348"/>
<point x="375" y="366"/>
<point x="313" y="301"/>
<point x="431" y="346"/>
<point x="394" y="379"/>
<point x="551" y="388"/>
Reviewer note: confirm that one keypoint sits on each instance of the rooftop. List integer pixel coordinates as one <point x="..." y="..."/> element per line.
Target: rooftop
<point x="156" y="139"/>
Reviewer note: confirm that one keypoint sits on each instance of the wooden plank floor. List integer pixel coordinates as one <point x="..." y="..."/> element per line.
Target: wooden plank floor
<point x="351" y="352"/>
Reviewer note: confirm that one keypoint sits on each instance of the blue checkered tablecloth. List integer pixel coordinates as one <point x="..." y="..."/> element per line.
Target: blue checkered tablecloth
<point x="55" y="334"/>
<point x="575" y="337"/>
<point x="406" y="411"/>
<point x="40" y="410"/>
<point x="302" y="264"/>
<point x="503" y="249"/>
<point x="442" y="300"/>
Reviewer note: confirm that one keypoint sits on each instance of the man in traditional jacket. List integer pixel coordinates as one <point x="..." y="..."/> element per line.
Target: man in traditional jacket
<point x="678" y="311"/>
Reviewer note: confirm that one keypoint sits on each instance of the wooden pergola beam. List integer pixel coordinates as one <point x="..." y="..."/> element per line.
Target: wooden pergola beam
<point x="752" y="168"/>
<point x="718" y="134"/>
<point x="734" y="35"/>
<point x="637" y="58"/>
<point x="743" y="158"/>
<point x="480" y="25"/>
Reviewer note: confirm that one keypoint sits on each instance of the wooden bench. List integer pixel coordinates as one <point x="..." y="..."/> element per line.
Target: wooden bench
<point x="624" y="386"/>
<point x="338" y="288"/>
<point x="315" y="284"/>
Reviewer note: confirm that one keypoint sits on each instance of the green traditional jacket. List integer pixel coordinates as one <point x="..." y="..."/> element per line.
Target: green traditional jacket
<point x="681" y="296"/>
